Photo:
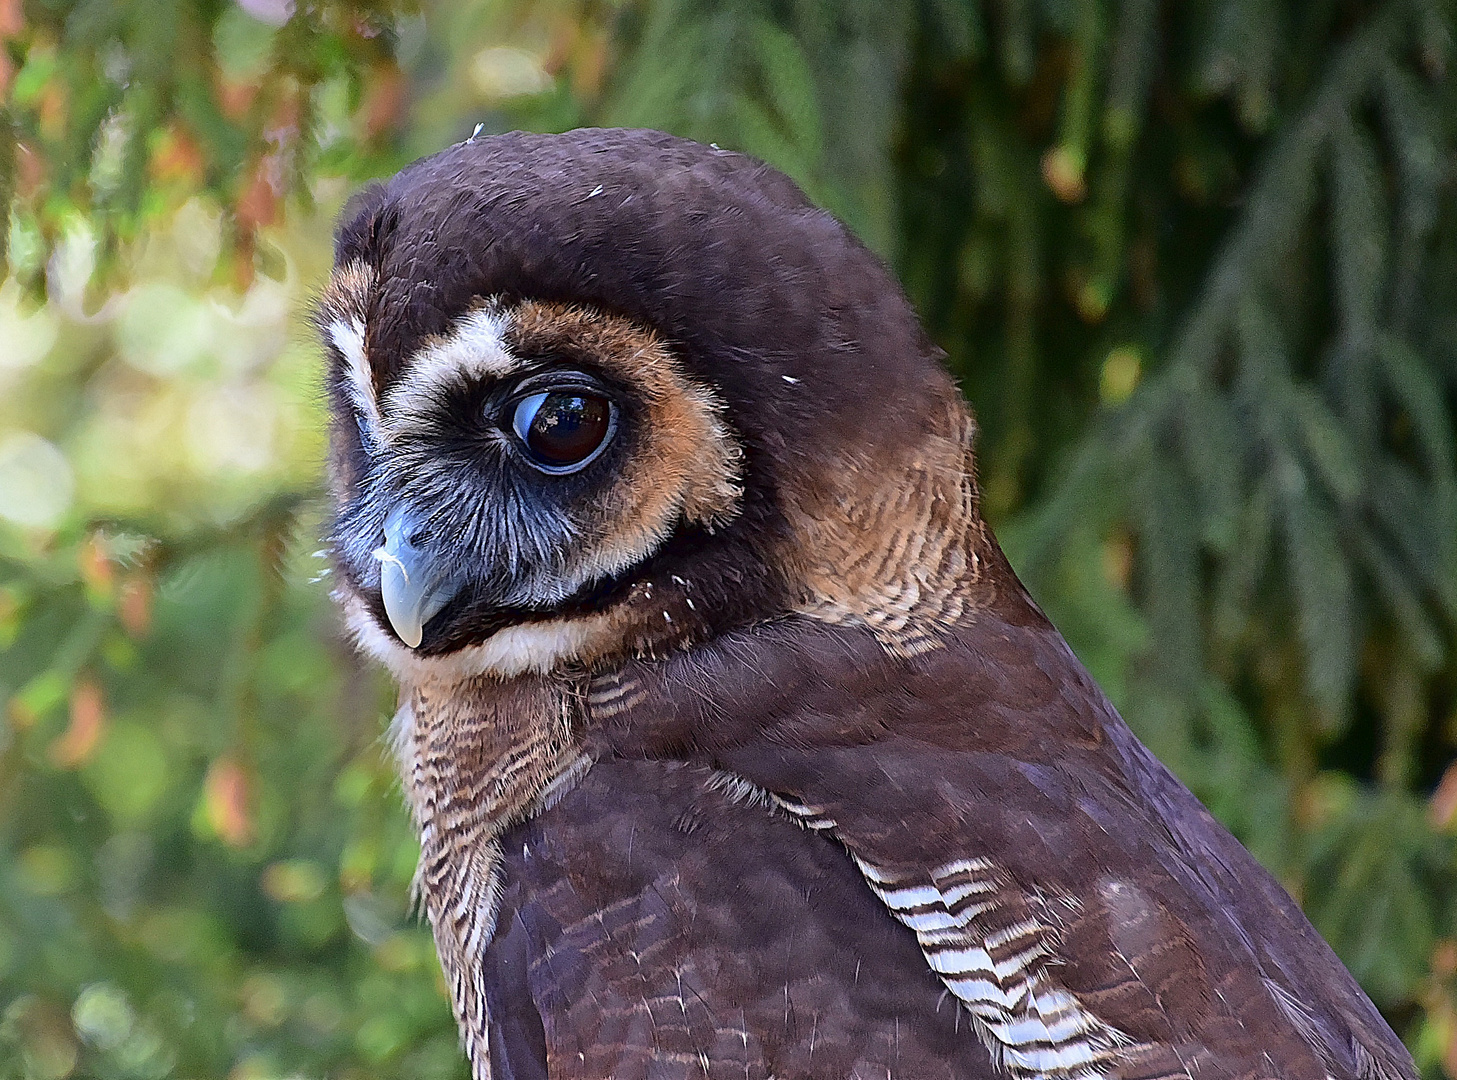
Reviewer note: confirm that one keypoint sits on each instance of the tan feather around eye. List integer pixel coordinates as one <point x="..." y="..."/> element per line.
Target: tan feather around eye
<point x="689" y="462"/>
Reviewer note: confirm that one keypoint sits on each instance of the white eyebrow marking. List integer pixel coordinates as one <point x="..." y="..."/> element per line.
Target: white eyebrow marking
<point x="348" y="338"/>
<point x="475" y="348"/>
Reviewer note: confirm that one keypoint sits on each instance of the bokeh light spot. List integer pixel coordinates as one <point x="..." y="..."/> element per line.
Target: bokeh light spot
<point x="36" y="483"/>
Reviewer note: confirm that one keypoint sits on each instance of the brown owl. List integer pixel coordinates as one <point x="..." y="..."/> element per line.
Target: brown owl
<point x="736" y="748"/>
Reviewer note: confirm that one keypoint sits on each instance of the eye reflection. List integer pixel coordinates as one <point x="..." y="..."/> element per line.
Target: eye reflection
<point x="562" y="430"/>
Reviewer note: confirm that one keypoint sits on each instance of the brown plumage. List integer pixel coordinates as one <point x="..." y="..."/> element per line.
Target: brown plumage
<point x="736" y="747"/>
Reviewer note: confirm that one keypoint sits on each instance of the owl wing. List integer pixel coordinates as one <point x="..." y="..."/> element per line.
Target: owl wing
<point x="661" y="922"/>
<point x="1084" y="909"/>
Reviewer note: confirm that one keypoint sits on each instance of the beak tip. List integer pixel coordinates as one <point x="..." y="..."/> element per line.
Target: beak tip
<point x="406" y="625"/>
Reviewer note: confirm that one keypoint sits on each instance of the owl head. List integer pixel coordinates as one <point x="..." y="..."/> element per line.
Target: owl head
<point x="610" y="393"/>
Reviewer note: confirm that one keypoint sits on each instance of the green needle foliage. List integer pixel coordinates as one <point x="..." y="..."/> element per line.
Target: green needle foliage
<point x="1195" y="264"/>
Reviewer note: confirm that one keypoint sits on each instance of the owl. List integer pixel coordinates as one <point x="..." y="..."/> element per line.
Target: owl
<point x="735" y="747"/>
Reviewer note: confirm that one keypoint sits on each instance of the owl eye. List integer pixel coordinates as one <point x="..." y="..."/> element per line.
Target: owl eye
<point x="563" y="430"/>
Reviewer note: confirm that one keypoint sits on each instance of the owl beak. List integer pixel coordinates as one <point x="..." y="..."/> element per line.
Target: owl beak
<point x="413" y="582"/>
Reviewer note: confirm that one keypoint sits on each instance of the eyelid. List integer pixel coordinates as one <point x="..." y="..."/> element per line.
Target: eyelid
<point x="563" y="380"/>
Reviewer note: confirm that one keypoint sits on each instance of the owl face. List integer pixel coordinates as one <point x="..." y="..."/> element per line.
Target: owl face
<point x="607" y="394"/>
<point x="528" y="461"/>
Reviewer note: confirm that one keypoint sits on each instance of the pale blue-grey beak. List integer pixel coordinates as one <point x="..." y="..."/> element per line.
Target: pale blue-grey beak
<point x="414" y="581"/>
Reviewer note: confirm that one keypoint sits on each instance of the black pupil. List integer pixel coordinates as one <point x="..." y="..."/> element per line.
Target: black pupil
<point x="568" y="427"/>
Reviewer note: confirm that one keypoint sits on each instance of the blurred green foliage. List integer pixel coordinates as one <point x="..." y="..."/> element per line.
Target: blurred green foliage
<point x="1195" y="262"/>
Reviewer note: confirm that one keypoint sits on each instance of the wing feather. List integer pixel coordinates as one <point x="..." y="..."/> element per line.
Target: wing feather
<point x="1082" y="907"/>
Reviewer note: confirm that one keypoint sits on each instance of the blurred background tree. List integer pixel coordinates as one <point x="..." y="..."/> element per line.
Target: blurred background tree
<point x="1195" y="263"/>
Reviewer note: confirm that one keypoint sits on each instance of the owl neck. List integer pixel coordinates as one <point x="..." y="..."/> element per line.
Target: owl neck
<point x="477" y="755"/>
<point x="495" y="745"/>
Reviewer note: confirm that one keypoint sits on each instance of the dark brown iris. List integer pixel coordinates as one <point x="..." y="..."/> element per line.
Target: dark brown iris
<point x="562" y="428"/>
